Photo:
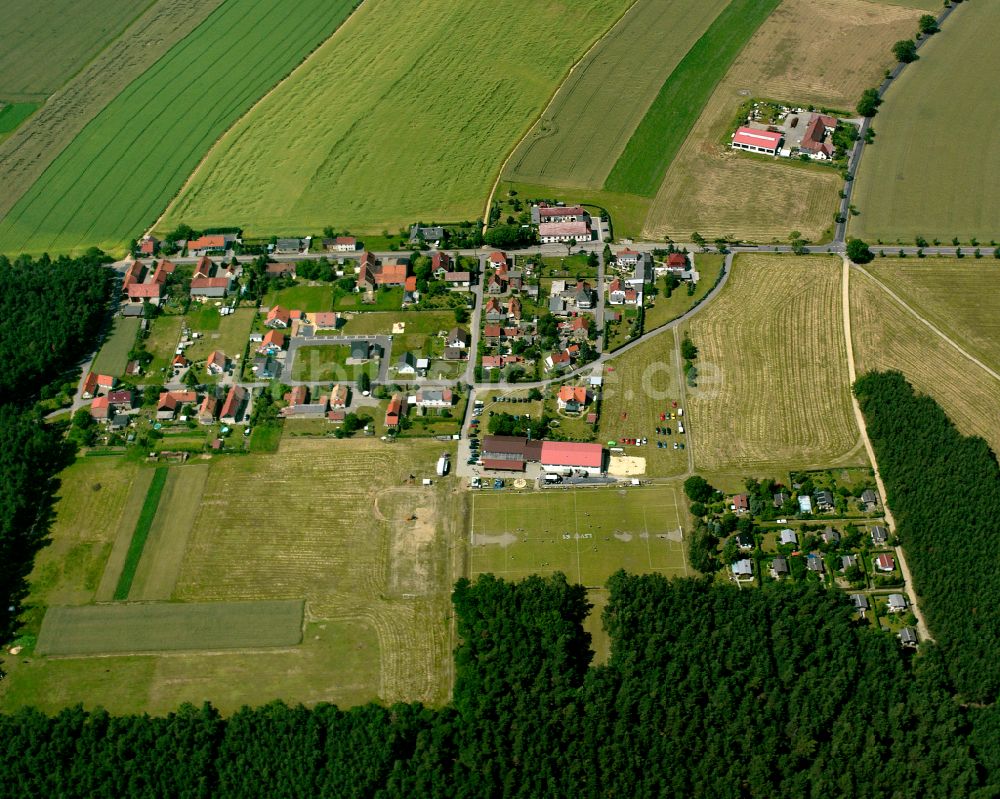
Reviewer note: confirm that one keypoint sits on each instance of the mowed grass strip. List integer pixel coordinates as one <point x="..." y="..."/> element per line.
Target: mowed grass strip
<point x="115" y="177"/>
<point x="415" y="128"/>
<point x="773" y="388"/>
<point x="170" y="626"/>
<point x="641" y="166"/>
<point x="910" y="185"/>
<point x="113" y="355"/>
<point x="142" y="526"/>
<point x="586" y="126"/>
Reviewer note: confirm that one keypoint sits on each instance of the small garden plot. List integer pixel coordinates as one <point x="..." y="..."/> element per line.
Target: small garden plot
<point x="113" y="357"/>
<point x="303" y="297"/>
<point x="385" y="299"/>
<point x="577" y="266"/>
<point x="325" y="363"/>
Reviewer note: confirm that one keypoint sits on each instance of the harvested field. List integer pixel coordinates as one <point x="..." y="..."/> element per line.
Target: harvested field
<point x="908" y="186"/>
<point x="638" y="387"/>
<point x="887" y="336"/>
<point x="959" y="296"/>
<point x="587" y="534"/>
<point x="591" y="118"/>
<point x="135" y="548"/>
<point x="124" y="159"/>
<point x="393" y="136"/>
<point x="27" y="153"/>
<point x="671" y="115"/>
<point x="127" y="521"/>
<point x="774" y="389"/>
<point x="822" y="52"/>
<point x="43" y="50"/>
<point x="113" y="356"/>
<point x="170" y="626"/>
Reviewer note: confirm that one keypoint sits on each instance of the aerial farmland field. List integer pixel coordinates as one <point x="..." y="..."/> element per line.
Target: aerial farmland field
<point x="586" y="126"/>
<point x="26" y="153"/>
<point x="715" y="191"/>
<point x="135" y="154"/>
<point x="888" y="336"/>
<point x="774" y="389"/>
<point x="416" y="129"/>
<point x="908" y="185"/>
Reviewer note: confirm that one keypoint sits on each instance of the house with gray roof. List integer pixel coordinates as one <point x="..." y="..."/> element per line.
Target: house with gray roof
<point x="787" y="536"/>
<point x="897" y="603"/>
<point x="743" y="569"/>
<point x="779" y="568"/>
<point x="879" y="534"/>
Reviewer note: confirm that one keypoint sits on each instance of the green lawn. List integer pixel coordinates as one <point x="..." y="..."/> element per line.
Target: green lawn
<point x="227" y="333"/>
<point x="373" y="153"/>
<point x="666" y="309"/>
<point x="586" y="533"/>
<point x="302" y="297"/>
<point x="113" y="356"/>
<point x="116" y="176"/>
<point x="328" y="362"/>
<point x="385" y="300"/>
<point x="568" y="266"/>
<point x="164" y="333"/>
<point x="14" y="114"/>
<point x="670" y="117"/>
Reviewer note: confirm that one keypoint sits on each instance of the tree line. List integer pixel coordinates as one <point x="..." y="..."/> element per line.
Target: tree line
<point x="709" y="691"/>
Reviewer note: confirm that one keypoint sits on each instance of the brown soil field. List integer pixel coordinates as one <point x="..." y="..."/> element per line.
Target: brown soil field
<point x="773" y="382"/>
<point x="887" y="336"/>
<point x="822" y="52"/>
<point x="25" y="154"/>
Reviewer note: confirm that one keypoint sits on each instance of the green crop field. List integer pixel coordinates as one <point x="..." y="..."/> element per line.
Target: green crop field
<point x="587" y="534"/>
<point x="910" y="185"/>
<point x="113" y="356"/>
<point x="12" y="115"/>
<point x="169" y="626"/>
<point x="586" y="126"/>
<point x="415" y="129"/>
<point x="115" y="177"/>
<point x="670" y="117"/>
<point x="773" y="388"/>
<point x="43" y="47"/>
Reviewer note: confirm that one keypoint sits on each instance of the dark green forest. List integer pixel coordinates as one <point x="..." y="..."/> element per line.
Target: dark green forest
<point x="710" y="692"/>
<point x="944" y="491"/>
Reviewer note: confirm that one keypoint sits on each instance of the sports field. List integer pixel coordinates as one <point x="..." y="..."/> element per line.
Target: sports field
<point x="417" y="128"/>
<point x="959" y="296"/>
<point x="170" y="626"/>
<point x="715" y="191"/>
<point x="43" y="48"/>
<point x="338" y="524"/>
<point x="672" y="114"/>
<point x="27" y="153"/>
<point x="586" y="126"/>
<point x="134" y="155"/>
<point x="587" y="534"/>
<point x="774" y="392"/>
<point x="113" y="355"/>
<point x="887" y="336"/>
<point x="908" y="185"/>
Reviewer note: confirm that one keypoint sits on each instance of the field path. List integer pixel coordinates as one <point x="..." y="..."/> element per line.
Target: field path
<point x="922" y="628"/>
<point x="929" y="324"/>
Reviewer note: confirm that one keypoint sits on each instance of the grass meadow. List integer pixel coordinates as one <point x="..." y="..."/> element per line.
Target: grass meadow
<point x="113" y="355"/>
<point x="122" y="169"/>
<point x="666" y="309"/>
<point x="674" y="111"/>
<point x="141" y="533"/>
<point x="416" y="129"/>
<point x="908" y="185"/>
<point x="12" y="115"/>
<point x="45" y="48"/>
<point x="302" y="297"/>
<point x="711" y="189"/>
<point x="887" y="336"/>
<point x="325" y="362"/>
<point x="584" y="129"/>
<point x="773" y="389"/>
<point x="26" y="153"/>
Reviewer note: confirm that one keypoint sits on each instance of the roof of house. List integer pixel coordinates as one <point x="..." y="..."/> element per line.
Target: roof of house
<point x="279" y="314"/>
<point x="325" y="319"/>
<point x="908" y="635"/>
<point x="297" y="396"/>
<point x="393" y="409"/>
<point x="339" y="394"/>
<point x="208" y="405"/>
<point x="89" y="383"/>
<point x="492" y="361"/>
<point x="434" y="395"/>
<point x="498" y="257"/>
<point x="757" y="138"/>
<point x="458" y="277"/>
<point x="392" y="273"/>
<point x="492" y="331"/>
<point x="411" y="283"/>
<point x="788" y="536"/>
<point x="780" y="565"/>
<point x="897" y="601"/>
<point x="440" y="259"/>
<point x="106" y="381"/>
<point x="121" y="395"/>
<point x="572" y="453"/>
<point x="860" y="601"/>
<point x="234" y="399"/>
<point x="275" y="338"/>
<point x="885" y="562"/>
<point x="346" y="240"/>
<point x="515" y="465"/>
<point x="459" y="334"/>
<point x="210" y="241"/>
<point x="743" y="566"/>
<point x="677" y="259"/>
<point x="564" y="229"/>
<point x="209" y="283"/>
<point x="217" y="358"/>
<point x="558" y="210"/>
<point x="573" y="394"/>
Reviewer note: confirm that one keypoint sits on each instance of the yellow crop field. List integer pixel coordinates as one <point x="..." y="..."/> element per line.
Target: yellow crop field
<point x="961" y="297"/>
<point x="888" y="336"/>
<point x="399" y="116"/>
<point x="909" y="184"/>
<point x="809" y="51"/>
<point x="773" y="388"/>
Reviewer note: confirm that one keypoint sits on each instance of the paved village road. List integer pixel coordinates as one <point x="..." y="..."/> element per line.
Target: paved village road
<point x="859" y="417"/>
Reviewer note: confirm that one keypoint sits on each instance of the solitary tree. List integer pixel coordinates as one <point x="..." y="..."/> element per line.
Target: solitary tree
<point x="905" y="51"/>
<point x="869" y="103"/>
<point x="928" y="25"/>
<point x="858" y="251"/>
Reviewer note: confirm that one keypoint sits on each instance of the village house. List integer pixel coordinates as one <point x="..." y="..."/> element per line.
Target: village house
<point x="278" y="317"/>
<point x="778" y="499"/>
<point x="211" y="244"/>
<point x="265" y="367"/>
<point x="458" y="279"/>
<point x="273" y="343"/>
<point x="824" y="501"/>
<point x="147" y="285"/>
<point x="626" y="259"/>
<point x="572" y="399"/>
<point x="406" y="366"/>
<point x="432" y="235"/>
<point x="779" y="568"/>
<point x="232" y="408"/>
<point x="805" y="504"/>
<point x="814" y="563"/>
<point x="148" y="245"/>
<point x="787" y="537"/>
<point x="299" y="395"/>
<point x="288" y="247"/>
<point x="492" y="361"/>
<point x="210" y="280"/>
<point x="434" y="398"/>
<point x="496" y="284"/>
<point x="170" y="402"/>
<point x="830" y="536"/>
<point x="885" y="562"/>
<point x="340" y="397"/>
<point x="860" y="602"/>
<point x="494" y="310"/>
<point x="869" y="500"/>
<point x="815" y="141"/>
<point x="677" y="262"/>
<point x="848" y="562"/>
<point x="896" y="603"/>
<point x="100" y="408"/>
<point x="441" y="264"/>
<point x="179" y="364"/>
<point x="89" y="388"/>
<point x="340" y="244"/>
<point x="558" y="213"/>
<point x="563" y="232"/>
<point x="558" y="360"/>
<point x="757" y="141"/>
<point x="908" y="637"/>
<point x="497" y="259"/>
<point x="394" y="411"/>
<point x="361" y="351"/>
<point x="584" y="295"/>
<point x="879" y="535"/>
<point x="741" y="503"/>
<point x="121" y="400"/>
<point x="373" y="275"/>
<point x="492" y="334"/>
<point x="208" y="409"/>
<point x="743" y="569"/>
<point x="458" y="338"/>
<point x="324" y="320"/>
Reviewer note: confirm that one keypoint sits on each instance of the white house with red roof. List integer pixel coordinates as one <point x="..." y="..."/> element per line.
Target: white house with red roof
<point x="572" y="398"/>
<point x="757" y="141"/>
<point x="563" y="232"/>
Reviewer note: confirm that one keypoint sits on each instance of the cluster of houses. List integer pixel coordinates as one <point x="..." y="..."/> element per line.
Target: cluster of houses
<point x="374" y="273"/>
<point x="301" y="403"/>
<point x="801" y="133"/>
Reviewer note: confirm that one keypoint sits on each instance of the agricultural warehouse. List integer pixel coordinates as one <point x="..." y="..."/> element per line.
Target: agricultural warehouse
<point x="512" y="453"/>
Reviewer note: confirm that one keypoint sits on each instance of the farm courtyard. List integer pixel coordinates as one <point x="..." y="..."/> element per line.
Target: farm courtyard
<point x="319" y="573"/>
